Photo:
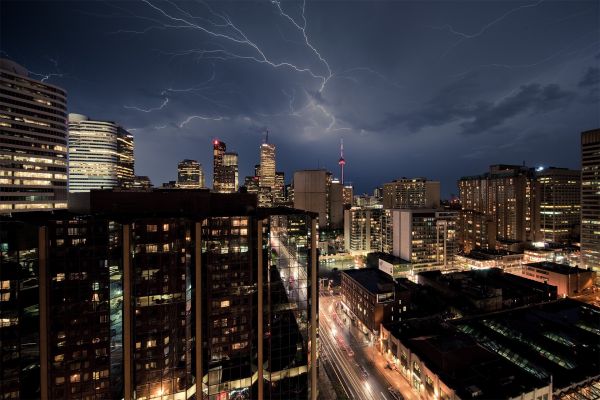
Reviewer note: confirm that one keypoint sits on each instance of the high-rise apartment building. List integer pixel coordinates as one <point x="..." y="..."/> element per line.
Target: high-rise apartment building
<point x="426" y="238"/>
<point x="348" y="194"/>
<point x="33" y="142"/>
<point x="125" y="158"/>
<point x="411" y="193"/>
<point x="506" y="194"/>
<point x="590" y="199"/>
<point x="558" y="196"/>
<point x="190" y="175"/>
<point x="476" y="230"/>
<point x="363" y="229"/>
<point x="142" y="182"/>
<point x="207" y="298"/>
<point x="313" y="190"/>
<point x="100" y="155"/>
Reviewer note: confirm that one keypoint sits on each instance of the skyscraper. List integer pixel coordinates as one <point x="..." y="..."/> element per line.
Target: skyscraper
<point x="219" y="149"/>
<point x="411" y="193"/>
<point x="92" y="154"/>
<point x="207" y="298"/>
<point x="125" y="158"/>
<point x="267" y="165"/>
<point x="33" y="152"/>
<point x="230" y="173"/>
<point x="590" y="199"/>
<point x="189" y="175"/>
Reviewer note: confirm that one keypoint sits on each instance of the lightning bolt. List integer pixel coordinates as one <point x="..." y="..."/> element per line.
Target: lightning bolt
<point x="467" y="36"/>
<point x="193" y="117"/>
<point x="149" y="110"/>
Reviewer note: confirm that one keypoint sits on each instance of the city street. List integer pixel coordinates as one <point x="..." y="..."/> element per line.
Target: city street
<point x="355" y="364"/>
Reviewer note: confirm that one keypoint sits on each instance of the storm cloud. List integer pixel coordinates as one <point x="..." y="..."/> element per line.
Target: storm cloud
<point x="413" y="88"/>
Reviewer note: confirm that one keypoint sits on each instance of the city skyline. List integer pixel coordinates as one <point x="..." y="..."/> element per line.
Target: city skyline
<point x="439" y="92"/>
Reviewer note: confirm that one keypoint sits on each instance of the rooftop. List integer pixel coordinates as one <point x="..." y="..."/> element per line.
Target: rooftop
<point x="558" y="268"/>
<point x="372" y="279"/>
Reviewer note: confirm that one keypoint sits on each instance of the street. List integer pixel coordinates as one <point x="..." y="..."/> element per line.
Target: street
<point x="350" y="359"/>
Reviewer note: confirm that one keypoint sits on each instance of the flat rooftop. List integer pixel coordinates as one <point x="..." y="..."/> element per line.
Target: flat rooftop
<point x="371" y="279"/>
<point x="558" y="268"/>
<point x="390" y="258"/>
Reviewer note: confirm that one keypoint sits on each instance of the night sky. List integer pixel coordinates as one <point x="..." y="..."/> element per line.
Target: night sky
<point x="415" y="88"/>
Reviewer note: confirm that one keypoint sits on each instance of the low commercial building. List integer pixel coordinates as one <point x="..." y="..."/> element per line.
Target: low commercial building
<point x="441" y="363"/>
<point x="483" y="259"/>
<point x="373" y="297"/>
<point x="395" y="267"/>
<point x="488" y="290"/>
<point x="569" y="281"/>
<point x="547" y="351"/>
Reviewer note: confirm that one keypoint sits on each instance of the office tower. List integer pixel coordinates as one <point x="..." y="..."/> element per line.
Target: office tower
<point x="125" y="159"/>
<point x="313" y="191"/>
<point x="426" y="238"/>
<point x="506" y="194"/>
<point x="590" y="199"/>
<point x="189" y="175"/>
<point x="208" y="298"/>
<point x="92" y="154"/>
<point x="267" y="164"/>
<point x="363" y="229"/>
<point x="411" y="193"/>
<point x="219" y="149"/>
<point x="558" y="196"/>
<point x="33" y="129"/>
<point x="230" y="172"/>
<point x="142" y="182"/>
<point x="279" y="197"/>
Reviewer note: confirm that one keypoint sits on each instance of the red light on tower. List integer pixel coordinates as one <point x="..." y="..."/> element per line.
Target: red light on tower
<point x="216" y="142"/>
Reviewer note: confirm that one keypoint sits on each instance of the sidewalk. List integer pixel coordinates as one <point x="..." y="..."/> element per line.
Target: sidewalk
<point x="326" y="391"/>
<point x="380" y="362"/>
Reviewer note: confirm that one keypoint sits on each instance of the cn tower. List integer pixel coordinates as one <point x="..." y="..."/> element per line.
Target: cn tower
<point x="342" y="162"/>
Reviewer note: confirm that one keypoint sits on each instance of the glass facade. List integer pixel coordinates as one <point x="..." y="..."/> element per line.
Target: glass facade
<point x="19" y="311"/>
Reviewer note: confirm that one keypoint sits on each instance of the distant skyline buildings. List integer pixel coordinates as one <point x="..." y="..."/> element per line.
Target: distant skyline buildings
<point x="33" y="142"/>
<point x="190" y="175"/>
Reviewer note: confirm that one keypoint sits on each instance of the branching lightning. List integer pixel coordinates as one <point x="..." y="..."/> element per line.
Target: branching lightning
<point x="149" y="110"/>
<point x="467" y="36"/>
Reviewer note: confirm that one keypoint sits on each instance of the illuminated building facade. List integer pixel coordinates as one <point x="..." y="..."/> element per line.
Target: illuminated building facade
<point x="230" y="182"/>
<point x="92" y="154"/>
<point x="33" y="142"/>
<point x="206" y="295"/>
<point x="476" y="230"/>
<point x="190" y="175"/>
<point x="426" y="238"/>
<point x="279" y="197"/>
<point x="590" y="199"/>
<point x="363" y="229"/>
<point x="125" y="158"/>
<point x="267" y="165"/>
<point x="411" y="193"/>
<point x="559" y="197"/>
<point x="348" y="195"/>
<point x="142" y="182"/>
